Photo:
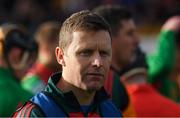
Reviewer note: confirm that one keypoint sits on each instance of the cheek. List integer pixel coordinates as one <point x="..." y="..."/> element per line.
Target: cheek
<point x="121" y="50"/>
<point x="123" y="44"/>
<point x="107" y="65"/>
<point x="126" y="46"/>
<point x="80" y="66"/>
<point x="118" y="45"/>
<point x="127" y="43"/>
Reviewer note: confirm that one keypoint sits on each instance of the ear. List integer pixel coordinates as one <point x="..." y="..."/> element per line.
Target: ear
<point x="60" y="56"/>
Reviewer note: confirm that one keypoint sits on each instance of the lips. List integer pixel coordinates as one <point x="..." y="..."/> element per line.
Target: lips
<point x="95" y="76"/>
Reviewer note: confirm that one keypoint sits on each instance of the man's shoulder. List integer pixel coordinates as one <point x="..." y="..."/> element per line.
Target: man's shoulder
<point x="28" y="110"/>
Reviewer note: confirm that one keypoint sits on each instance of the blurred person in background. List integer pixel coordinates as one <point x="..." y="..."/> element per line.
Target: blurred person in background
<point x="84" y="52"/>
<point x="124" y="43"/>
<point x="147" y="101"/>
<point x="17" y="53"/>
<point x="163" y="64"/>
<point x="47" y="37"/>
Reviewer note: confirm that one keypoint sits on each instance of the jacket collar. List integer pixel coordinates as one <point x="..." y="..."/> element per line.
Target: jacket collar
<point x="68" y="97"/>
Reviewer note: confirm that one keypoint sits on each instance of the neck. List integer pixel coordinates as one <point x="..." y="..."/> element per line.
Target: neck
<point x="83" y="97"/>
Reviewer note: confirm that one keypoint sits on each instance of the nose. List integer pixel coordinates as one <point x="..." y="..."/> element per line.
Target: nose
<point x="97" y="61"/>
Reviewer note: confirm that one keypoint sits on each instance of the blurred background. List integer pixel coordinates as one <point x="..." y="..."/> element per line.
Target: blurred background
<point x="148" y="14"/>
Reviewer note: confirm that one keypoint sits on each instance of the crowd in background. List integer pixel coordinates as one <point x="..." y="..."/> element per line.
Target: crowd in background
<point x="32" y="12"/>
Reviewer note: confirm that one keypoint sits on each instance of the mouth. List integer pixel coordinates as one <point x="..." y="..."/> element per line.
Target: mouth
<point x="96" y="76"/>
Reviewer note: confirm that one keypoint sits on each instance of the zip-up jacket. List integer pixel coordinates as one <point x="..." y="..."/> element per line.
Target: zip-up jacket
<point x="54" y="103"/>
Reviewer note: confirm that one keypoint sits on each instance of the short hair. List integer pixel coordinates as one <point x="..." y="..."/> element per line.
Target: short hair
<point x="47" y="32"/>
<point x="81" y="21"/>
<point x="113" y="14"/>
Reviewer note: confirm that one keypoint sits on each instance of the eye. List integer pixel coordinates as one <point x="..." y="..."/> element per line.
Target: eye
<point x="130" y="33"/>
<point x="104" y="53"/>
<point x="85" y="53"/>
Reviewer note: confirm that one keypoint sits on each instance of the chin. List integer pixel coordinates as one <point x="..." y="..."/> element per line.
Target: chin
<point x="93" y="89"/>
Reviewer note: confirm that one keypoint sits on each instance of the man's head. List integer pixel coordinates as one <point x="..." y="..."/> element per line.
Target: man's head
<point x="85" y="50"/>
<point x="124" y="36"/>
<point x="18" y="51"/>
<point x="47" y="38"/>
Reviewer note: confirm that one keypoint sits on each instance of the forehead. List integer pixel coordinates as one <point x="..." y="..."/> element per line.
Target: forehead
<point x="85" y="39"/>
<point x="128" y="24"/>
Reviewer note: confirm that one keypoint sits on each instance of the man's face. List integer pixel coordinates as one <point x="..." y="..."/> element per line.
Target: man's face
<point x="87" y="59"/>
<point x="125" y="43"/>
